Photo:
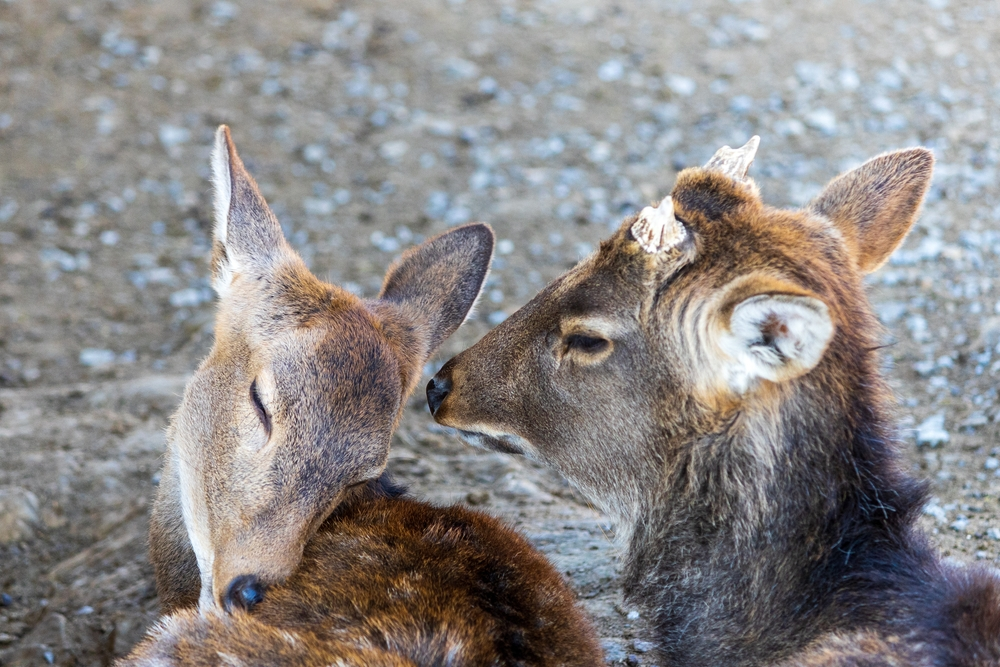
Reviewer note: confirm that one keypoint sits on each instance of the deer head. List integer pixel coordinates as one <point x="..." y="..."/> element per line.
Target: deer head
<point x="689" y="335"/>
<point x="296" y="402"/>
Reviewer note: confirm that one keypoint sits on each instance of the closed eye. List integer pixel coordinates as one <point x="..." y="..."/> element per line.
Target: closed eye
<point x="586" y="344"/>
<point x="258" y="406"/>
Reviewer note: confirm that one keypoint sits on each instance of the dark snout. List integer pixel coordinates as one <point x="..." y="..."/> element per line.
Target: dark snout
<point x="438" y="388"/>
<point x="244" y="592"/>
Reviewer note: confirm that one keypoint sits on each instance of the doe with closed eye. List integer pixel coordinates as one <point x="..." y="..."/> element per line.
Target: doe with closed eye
<point x="276" y="538"/>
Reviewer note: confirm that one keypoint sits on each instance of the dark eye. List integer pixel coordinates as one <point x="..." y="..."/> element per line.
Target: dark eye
<point x="258" y="406"/>
<point x="586" y="344"/>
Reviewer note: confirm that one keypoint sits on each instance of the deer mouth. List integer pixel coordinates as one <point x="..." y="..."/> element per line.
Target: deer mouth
<point x="505" y="444"/>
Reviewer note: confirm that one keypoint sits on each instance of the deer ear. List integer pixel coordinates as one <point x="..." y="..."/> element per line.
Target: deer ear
<point x="434" y="285"/>
<point x="775" y="337"/>
<point x="246" y="235"/>
<point x="875" y="205"/>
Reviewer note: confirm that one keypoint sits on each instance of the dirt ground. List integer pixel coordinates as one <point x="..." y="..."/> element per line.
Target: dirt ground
<point x="372" y="125"/>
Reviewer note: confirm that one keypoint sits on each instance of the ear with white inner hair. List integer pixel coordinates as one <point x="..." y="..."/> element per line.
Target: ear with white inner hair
<point x="246" y="235"/>
<point x="775" y="337"/>
<point x="734" y="162"/>
<point x="657" y="230"/>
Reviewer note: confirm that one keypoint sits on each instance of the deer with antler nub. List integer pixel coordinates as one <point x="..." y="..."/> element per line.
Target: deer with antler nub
<point x="710" y="378"/>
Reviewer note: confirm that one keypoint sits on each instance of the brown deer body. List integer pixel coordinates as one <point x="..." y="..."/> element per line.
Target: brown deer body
<point x="710" y="377"/>
<point x="275" y="537"/>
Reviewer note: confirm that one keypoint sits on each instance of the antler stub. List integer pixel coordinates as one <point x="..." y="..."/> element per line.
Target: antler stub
<point x="734" y="162"/>
<point x="657" y="230"/>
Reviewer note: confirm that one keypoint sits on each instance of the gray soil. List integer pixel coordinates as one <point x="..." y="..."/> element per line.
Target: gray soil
<point x="372" y="125"/>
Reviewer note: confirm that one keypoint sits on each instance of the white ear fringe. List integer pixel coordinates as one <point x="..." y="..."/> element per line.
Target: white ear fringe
<point x="222" y="184"/>
<point x="657" y="230"/>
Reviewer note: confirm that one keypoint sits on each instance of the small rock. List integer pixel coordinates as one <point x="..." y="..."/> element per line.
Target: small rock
<point x="642" y="646"/>
<point x="823" y="120"/>
<point x="931" y="431"/>
<point x="6" y="600"/>
<point x="613" y="650"/>
<point x="18" y="514"/>
<point x="936" y="511"/>
<point x="612" y="70"/>
<point x="681" y="85"/>
<point x="992" y="463"/>
<point x="393" y="150"/>
<point x="93" y="357"/>
<point x="959" y="524"/>
<point x="477" y="498"/>
<point x="517" y="486"/>
<point x="171" y="136"/>
<point x="993" y="533"/>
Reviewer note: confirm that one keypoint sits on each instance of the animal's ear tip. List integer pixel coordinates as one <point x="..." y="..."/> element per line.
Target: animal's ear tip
<point x="918" y="158"/>
<point x="480" y="229"/>
<point x="478" y="233"/>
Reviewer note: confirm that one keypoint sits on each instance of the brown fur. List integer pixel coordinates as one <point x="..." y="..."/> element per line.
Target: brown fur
<point x="288" y="420"/>
<point x="392" y="581"/>
<point x="721" y="399"/>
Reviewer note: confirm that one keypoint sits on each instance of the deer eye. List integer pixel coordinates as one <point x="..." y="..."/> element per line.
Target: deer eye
<point x="258" y="406"/>
<point x="586" y="344"/>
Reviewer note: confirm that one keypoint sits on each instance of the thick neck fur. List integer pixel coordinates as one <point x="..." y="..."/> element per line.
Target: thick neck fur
<point x="793" y="520"/>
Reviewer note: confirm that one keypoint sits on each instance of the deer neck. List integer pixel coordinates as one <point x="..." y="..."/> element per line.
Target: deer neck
<point x="765" y="532"/>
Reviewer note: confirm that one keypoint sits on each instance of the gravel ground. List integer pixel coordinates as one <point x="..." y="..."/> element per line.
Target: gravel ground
<point x="372" y="125"/>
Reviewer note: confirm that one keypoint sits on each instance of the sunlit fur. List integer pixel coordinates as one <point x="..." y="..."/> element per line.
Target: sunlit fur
<point x="769" y="520"/>
<point x="389" y="581"/>
<point x="271" y="469"/>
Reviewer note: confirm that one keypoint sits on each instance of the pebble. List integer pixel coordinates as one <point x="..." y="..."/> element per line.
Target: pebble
<point x="823" y="120"/>
<point x="96" y="357"/>
<point x="612" y="70"/>
<point x="613" y="650"/>
<point x="6" y="600"/>
<point x="642" y="646"/>
<point x="190" y="297"/>
<point x="18" y="514"/>
<point x="931" y="431"/>
<point x="7" y="209"/>
<point x="681" y="85"/>
<point x="936" y="511"/>
<point x="172" y="136"/>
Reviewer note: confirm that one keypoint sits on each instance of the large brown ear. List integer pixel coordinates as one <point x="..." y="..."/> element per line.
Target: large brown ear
<point x="875" y="205"/>
<point x="246" y="235"/>
<point x="436" y="283"/>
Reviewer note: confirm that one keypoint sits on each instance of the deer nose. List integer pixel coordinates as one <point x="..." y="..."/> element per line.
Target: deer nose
<point x="244" y="592"/>
<point x="437" y="390"/>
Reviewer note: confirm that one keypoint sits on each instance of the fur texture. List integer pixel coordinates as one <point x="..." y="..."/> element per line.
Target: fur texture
<point x="767" y="520"/>
<point x="267" y="518"/>
<point x="391" y="581"/>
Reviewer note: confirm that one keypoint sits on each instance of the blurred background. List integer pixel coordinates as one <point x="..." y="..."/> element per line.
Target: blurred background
<point x="373" y="125"/>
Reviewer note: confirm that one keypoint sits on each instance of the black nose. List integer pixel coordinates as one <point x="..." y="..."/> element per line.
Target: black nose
<point x="437" y="390"/>
<point x="244" y="592"/>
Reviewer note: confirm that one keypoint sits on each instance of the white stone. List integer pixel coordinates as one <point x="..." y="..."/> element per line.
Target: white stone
<point x="932" y="432"/>
<point x="18" y="514"/>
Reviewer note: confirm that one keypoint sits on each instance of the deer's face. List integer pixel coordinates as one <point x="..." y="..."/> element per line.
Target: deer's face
<point x="300" y="394"/>
<point x="295" y="404"/>
<point x="706" y="307"/>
